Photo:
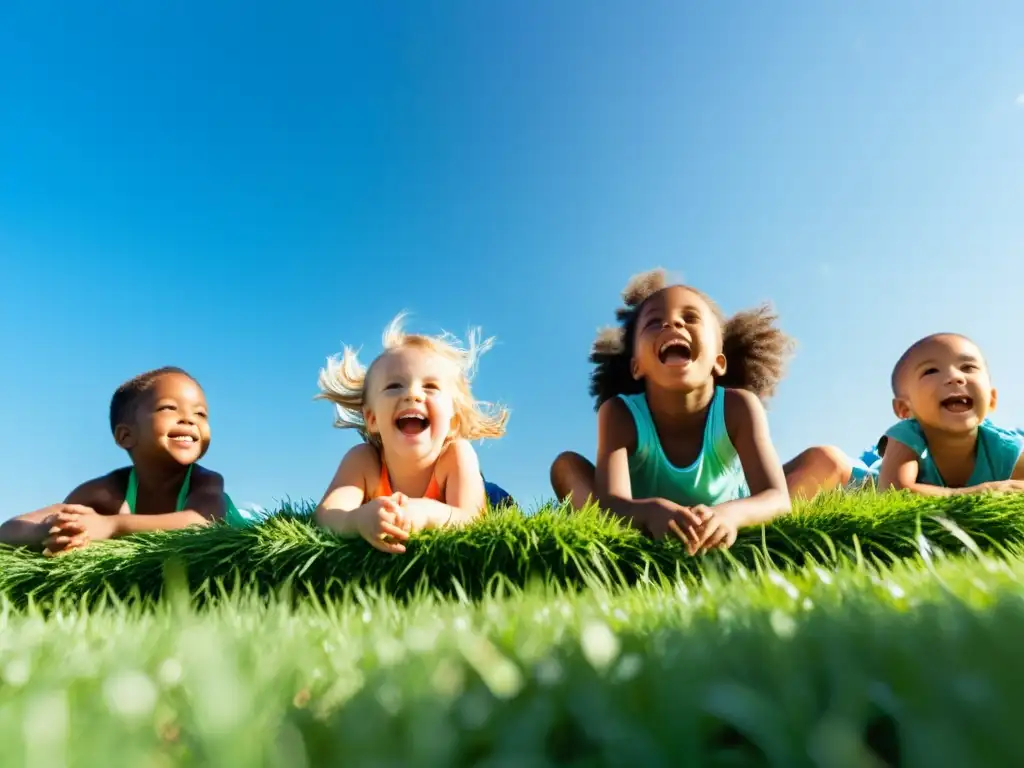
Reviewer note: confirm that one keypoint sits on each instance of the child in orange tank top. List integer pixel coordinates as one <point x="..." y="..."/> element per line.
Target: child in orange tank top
<point x="416" y="413"/>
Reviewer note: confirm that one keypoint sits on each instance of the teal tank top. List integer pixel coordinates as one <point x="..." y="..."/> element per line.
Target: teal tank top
<point x="231" y="516"/>
<point x="999" y="450"/>
<point x="714" y="477"/>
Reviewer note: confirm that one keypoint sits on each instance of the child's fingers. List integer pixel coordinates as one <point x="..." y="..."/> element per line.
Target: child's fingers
<point x="392" y="547"/>
<point x="68" y="527"/>
<point x="392" y="530"/>
<point x="400" y="498"/>
<point x="686" y="535"/>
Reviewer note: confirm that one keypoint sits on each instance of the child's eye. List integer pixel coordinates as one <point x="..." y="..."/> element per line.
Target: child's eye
<point x="691" y="318"/>
<point x="392" y="385"/>
<point x="969" y="368"/>
<point x="432" y="387"/>
<point x="929" y="372"/>
<point x="167" y="407"/>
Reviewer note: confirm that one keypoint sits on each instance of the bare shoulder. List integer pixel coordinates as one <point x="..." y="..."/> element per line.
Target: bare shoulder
<point x="360" y="466"/>
<point x="459" y="453"/>
<point x="206" y="478"/>
<point x="105" y="494"/>
<point x="743" y="411"/>
<point x="615" y="425"/>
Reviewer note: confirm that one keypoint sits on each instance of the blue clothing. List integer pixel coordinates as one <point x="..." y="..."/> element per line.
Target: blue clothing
<point x="496" y="495"/>
<point x="714" y="477"/>
<point x="998" y="452"/>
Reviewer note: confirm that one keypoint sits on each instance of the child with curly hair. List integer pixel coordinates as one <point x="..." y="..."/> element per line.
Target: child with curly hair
<point x="683" y="439"/>
<point x="944" y="444"/>
<point x="160" y="418"/>
<point x="415" y="410"/>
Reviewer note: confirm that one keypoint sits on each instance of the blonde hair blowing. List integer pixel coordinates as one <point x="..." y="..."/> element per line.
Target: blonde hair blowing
<point x="343" y="382"/>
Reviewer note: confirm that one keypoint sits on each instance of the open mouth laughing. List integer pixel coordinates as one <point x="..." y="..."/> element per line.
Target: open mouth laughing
<point x="412" y="423"/>
<point x="675" y="352"/>
<point x="958" y="403"/>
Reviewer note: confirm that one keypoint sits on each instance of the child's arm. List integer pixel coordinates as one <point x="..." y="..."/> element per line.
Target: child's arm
<point x="204" y="504"/>
<point x="900" y="469"/>
<point x="747" y="424"/>
<point x="616" y="438"/>
<point x="33" y="528"/>
<point x="342" y="509"/>
<point x="465" y="497"/>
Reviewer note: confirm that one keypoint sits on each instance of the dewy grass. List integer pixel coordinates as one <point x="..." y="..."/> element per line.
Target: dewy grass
<point x="550" y="546"/>
<point x="909" y="664"/>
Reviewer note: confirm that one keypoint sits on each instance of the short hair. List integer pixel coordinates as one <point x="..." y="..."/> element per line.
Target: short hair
<point x="897" y="370"/>
<point x="755" y="349"/>
<point x="343" y="382"/>
<point x="126" y="397"/>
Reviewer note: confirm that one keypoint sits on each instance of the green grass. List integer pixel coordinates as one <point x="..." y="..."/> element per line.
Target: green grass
<point x="551" y="546"/>
<point x="915" y="664"/>
<point x="860" y="631"/>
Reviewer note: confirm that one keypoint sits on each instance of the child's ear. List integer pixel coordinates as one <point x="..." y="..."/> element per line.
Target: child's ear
<point x="370" y="420"/>
<point x="993" y="400"/>
<point x="901" y="408"/>
<point x="634" y="369"/>
<point x="720" y="365"/>
<point x="123" y="437"/>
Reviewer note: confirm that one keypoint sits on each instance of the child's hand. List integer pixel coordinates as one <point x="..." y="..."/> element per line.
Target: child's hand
<point x="74" y="527"/>
<point x="719" y="529"/>
<point x="381" y="519"/>
<point x="662" y="517"/>
<point x="419" y="513"/>
<point x="1000" y="486"/>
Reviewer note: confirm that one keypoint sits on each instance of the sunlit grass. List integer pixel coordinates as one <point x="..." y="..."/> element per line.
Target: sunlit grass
<point x="550" y="545"/>
<point x="850" y="666"/>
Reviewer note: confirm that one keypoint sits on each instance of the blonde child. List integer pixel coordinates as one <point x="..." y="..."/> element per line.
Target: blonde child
<point x="683" y="439"/>
<point x="944" y="443"/>
<point x="415" y="410"/>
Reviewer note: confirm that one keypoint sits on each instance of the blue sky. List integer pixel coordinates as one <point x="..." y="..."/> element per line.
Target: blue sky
<point x="240" y="188"/>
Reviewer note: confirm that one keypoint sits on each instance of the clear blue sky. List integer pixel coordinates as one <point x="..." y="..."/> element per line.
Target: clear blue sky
<point x="239" y="188"/>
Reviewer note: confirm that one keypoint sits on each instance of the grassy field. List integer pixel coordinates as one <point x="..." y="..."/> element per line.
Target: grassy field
<point x="569" y="641"/>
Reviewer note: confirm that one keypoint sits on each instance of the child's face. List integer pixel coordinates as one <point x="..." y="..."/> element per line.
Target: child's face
<point x="170" y="421"/>
<point x="409" y="402"/>
<point x="945" y="385"/>
<point x="678" y="341"/>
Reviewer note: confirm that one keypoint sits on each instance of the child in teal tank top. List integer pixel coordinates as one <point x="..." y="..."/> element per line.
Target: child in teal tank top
<point x="944" y="444"/>
<point x="683" y="439"/>
<point x="160" y="419"/>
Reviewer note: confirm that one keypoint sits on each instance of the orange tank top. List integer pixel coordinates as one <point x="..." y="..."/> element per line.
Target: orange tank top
<point x="384" y="486"/>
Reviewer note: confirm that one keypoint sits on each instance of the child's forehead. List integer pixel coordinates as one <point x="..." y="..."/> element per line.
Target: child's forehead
<point x="414" y="360"/>
<point x="944" y="347"/>
<point x="674" y="297"/>
<point x="176" y="385"/>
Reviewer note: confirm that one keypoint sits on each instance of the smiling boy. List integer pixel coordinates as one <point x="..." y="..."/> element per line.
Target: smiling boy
<point x="944" y="444"/>
<point x="160" y="418"/>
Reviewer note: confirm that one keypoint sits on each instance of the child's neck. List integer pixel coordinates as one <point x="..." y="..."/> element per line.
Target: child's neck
<point x="672" y="409"/>
<point x="411" y="478"/>
<point x="954" y="455"/>
<point x="158" y="486"/>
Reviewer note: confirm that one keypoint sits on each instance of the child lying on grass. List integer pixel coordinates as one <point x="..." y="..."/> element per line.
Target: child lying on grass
<point x="944" y="444"/>
<point x="416" y="469"/>
<point x="683" y="440"/>
<point x="161" y="419"/>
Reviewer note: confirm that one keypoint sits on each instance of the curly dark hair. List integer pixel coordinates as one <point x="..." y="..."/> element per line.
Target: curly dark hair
<point x="756" y="350"/>
<point x="127" y="396"/>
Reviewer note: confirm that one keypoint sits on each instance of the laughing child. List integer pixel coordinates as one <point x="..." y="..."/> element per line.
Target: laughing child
<point x="683" y="439"/>
<point x="944" y="444"/>
<point x="160" y="418"/>
<point x="415" y="410"/>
